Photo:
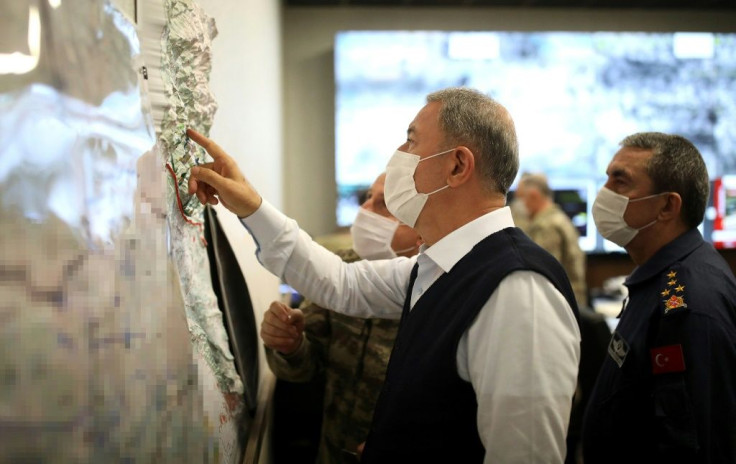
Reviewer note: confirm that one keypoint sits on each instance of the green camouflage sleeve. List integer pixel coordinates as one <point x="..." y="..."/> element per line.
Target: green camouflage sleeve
<point x="311" y="356"/>
<point x="308" y="360"/>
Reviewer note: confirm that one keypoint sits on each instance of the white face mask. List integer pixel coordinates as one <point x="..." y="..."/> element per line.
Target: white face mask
<point x="402" y="198"/>
<point x="608" y="214"/>
<point x="372" y="235"/>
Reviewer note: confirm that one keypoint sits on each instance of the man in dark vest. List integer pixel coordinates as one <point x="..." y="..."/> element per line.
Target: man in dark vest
<point x="485" y="363"/>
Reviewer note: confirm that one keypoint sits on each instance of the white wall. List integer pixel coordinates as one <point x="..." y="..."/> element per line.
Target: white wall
<point x="308" y="35"/>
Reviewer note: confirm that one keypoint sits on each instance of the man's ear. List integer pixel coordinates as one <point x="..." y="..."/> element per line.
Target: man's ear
<point x="463" y="167"/>
<point x="672" y="208"/>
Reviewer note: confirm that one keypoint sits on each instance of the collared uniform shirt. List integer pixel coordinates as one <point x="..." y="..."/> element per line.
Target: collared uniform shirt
<point x="684" y="415"/>
<point x="521" y="354"/>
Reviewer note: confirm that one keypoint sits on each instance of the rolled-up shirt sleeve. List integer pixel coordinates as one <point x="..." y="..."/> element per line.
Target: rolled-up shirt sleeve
<point x="362" y="288"/>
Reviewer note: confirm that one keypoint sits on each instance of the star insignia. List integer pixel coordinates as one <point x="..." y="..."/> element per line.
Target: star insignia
<point x="673" y="294"/>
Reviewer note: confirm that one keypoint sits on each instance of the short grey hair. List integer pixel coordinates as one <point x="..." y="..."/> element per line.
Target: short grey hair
<point x="536" y="181"/>
<point x="676" y="166"/>
<point x="472" y="119"/>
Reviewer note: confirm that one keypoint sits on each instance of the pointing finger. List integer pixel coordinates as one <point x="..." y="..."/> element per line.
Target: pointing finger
<point x="211" y="147"/>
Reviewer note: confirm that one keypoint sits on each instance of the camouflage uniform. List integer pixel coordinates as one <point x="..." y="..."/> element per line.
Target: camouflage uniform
<point x="353" y="353"/>
<point x="552" y="229"/>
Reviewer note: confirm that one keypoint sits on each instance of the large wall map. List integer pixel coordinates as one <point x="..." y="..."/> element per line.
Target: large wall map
<point x="110" y="349"/>
<point x="185" y="69"/>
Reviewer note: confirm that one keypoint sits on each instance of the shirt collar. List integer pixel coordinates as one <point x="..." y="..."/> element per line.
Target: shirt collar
<point x="666" y="256"/>
<point x="452" y="247"/>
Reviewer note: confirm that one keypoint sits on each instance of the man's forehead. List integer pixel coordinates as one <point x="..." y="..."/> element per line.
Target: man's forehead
<point x="629" y="162"/>
<point x="425" y="117"/>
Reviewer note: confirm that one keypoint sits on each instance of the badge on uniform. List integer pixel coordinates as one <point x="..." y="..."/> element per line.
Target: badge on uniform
<point x="667" y="359"/>
<point x="618" y="348"/>
<point x="673" y="294"/>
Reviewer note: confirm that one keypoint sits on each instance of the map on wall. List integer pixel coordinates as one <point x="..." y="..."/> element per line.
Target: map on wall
<point x="103" y="356"/>
<point x="186" y="52"/>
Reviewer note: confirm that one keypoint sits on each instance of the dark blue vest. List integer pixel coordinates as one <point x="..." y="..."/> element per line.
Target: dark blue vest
<point x="426" y="412"/>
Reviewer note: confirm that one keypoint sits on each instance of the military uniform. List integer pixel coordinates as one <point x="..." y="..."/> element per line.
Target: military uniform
<point x="552" y="229"/>
<point x="353" y="353"/>
<point x="666" y="391"/>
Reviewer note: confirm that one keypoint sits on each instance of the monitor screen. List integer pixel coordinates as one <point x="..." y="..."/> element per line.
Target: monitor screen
<point x="573" y="95"/>
<point x="723" y="212"/>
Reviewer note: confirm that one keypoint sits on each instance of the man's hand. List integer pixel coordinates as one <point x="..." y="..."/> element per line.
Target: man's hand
<point x="221" y="180"/>
<point x="282" y="328"/>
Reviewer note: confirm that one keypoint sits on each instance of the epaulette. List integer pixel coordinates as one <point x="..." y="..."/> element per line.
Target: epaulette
<point x="667" y="353"/>
<point x="673" y="293"/>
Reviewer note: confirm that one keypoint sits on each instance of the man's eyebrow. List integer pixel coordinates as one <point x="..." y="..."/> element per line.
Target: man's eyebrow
<point x="410" y="130"/>
<point x="620" y="173"/>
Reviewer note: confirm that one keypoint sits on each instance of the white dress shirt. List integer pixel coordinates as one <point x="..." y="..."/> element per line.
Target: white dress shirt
<point x="520" y="354"/>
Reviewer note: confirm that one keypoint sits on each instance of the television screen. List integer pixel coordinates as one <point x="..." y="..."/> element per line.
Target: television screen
<point x="573" y="96"/>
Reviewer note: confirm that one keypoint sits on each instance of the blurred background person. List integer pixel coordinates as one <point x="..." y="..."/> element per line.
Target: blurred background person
<point x="552" y="229"/>
<point x="352" y="353"/>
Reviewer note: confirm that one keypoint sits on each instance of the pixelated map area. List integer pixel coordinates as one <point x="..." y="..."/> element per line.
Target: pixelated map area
<point x="96" y="350"/>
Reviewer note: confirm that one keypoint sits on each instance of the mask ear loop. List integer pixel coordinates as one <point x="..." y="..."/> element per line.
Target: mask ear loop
<point x="436" y="154"/>
<point x="405" y="250"/>
<point x="646" y="225"/>
<point x="644" y="198"/>
<point x="432" y="156"/>
<point x="648" y="196"/>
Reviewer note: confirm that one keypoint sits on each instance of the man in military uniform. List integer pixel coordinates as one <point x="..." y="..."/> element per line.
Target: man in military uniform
<point x="666" y="391"/>
<point x="352" y="352"/>
<point x="553" y="230"/>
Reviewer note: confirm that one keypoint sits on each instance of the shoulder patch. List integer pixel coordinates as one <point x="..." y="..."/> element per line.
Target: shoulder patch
<point x="618" y="348"/>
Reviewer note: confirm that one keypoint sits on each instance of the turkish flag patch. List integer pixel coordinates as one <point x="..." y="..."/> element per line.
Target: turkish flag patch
<point x="667" y="359"/>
